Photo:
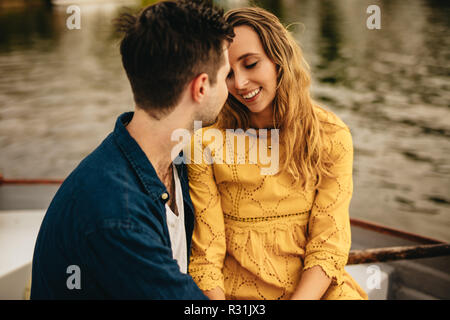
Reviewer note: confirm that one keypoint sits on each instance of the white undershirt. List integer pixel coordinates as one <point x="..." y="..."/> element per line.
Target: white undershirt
<point x="176" y="226"/>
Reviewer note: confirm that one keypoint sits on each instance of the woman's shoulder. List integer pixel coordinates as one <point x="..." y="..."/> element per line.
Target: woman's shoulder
<point x="336" y="132"/>
<point x="329" y="119"/>
<point x="211" y="137"/>
<point x="204" y="134"/>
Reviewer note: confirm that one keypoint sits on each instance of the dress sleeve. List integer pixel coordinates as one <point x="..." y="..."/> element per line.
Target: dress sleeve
<point x="208" y="240"/>
<point x="329" y="237"/>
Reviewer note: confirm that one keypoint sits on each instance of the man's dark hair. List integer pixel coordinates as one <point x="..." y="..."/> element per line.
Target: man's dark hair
<point x="166" y="45"/>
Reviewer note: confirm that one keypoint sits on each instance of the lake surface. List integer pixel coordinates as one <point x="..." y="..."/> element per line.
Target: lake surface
<point x="61" y="91"/>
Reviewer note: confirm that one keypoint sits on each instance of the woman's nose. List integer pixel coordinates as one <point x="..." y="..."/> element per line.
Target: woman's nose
<point x="240" y="81"/>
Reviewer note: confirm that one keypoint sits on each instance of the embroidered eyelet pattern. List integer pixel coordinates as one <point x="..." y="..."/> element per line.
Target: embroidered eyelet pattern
<point x="260" y="219"/>
<point x="254" y="236"/>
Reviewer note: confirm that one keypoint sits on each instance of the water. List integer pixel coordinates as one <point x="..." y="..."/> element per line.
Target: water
<point x="61" y="91"/>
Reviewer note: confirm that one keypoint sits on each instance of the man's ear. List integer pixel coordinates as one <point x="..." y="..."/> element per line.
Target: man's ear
<point x="199" y="87"/>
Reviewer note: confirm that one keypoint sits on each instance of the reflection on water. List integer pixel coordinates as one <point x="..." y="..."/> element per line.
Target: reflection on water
<point x="61" y="90"/>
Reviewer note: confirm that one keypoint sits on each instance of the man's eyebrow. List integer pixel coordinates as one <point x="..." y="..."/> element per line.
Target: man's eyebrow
<point x="246" y="55"/>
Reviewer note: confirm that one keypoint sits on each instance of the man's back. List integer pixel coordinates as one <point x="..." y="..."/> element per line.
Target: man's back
<point x="105" y="235"/>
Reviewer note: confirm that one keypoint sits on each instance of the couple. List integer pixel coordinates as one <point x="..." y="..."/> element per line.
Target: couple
<point x="128" y="223"/>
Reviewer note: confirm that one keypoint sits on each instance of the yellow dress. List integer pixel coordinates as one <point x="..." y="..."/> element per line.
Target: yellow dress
<point x="254" y="234"/>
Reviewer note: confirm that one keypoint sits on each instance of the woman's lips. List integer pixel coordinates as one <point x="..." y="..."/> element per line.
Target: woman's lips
<point x="254" y="97"/>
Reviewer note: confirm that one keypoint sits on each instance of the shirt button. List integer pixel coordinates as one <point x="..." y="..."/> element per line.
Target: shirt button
<point x="164" y="196"/>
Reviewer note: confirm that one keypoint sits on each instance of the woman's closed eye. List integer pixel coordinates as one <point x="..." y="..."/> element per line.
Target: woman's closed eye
<point x="251" y="65"/>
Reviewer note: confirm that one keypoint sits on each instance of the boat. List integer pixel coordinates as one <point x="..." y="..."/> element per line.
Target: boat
<point x="388" y="264"/>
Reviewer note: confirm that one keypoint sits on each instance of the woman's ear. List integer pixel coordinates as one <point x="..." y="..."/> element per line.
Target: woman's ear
<point x="199" y="87"/>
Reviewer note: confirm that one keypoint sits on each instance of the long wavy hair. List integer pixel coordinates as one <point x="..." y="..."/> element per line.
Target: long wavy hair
<point x="305" y="156"/>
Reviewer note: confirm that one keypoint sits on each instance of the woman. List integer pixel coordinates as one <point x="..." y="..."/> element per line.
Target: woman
<point x="282" y="236"/>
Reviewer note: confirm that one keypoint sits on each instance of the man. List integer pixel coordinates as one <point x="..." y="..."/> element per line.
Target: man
<point x="120" y="226"/>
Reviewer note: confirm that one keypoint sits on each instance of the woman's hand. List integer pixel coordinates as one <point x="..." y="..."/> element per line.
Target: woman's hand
<point x="215" y="294"/>
<point x="313" y="284"/>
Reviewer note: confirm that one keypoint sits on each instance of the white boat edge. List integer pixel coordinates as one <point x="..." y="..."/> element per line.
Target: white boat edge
<point x="18" y="233"/>
<point x="20" y="228"/>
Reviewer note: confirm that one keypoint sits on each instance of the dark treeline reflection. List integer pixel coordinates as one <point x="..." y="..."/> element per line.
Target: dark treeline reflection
<point x="22" y="28"/>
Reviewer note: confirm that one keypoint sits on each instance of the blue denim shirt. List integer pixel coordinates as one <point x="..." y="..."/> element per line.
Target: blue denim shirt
<point x="108" y="219"/>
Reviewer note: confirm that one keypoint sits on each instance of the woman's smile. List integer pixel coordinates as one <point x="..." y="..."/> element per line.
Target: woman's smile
<point x="253" y="76"/>
<point x="252" y="95"/>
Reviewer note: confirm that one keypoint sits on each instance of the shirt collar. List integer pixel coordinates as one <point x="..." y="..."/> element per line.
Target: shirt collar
<point x="137" y="158"/>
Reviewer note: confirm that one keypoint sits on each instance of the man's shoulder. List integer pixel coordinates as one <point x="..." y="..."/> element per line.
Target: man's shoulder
<point x="98" y="172"/>
<point x="104" y="186"/>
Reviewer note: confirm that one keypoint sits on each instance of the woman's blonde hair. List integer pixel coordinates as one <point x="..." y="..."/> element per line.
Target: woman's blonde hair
<point x="305" y="156"/>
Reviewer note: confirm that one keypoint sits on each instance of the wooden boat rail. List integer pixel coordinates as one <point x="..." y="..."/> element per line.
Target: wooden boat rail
<point x="29" y="181"/>
<point x="398" y="253"/>
<point x="427" y="248"/>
